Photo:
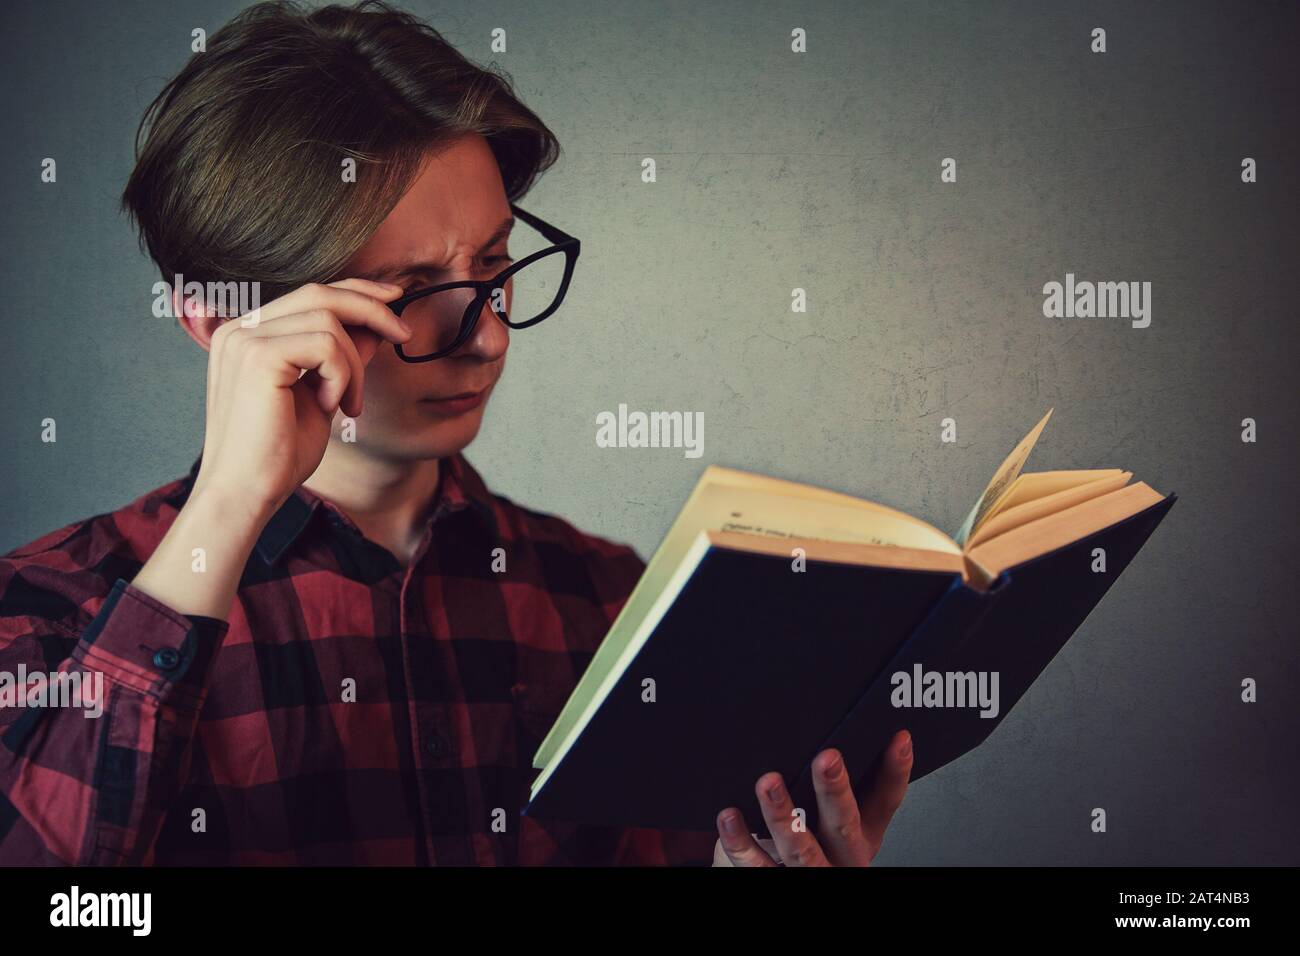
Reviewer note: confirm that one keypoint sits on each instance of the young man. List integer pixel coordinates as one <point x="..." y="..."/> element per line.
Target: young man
<point x="330" y="643"/>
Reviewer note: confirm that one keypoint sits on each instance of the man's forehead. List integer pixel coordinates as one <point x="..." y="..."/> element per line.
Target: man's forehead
<point x="455" y="206"/>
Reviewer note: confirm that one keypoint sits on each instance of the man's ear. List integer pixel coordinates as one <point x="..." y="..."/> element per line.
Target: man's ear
<point x="193" y="317"/>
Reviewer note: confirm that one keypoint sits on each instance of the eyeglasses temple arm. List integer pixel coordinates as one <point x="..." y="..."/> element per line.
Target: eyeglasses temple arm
<point x="545" y="228"/>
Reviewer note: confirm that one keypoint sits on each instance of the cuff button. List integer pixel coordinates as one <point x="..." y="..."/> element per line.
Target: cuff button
<point x="166" y="659"/>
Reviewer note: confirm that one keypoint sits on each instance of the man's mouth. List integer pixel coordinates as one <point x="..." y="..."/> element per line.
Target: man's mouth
<point x="456" y="404"/>
<point x="449" y="398"/>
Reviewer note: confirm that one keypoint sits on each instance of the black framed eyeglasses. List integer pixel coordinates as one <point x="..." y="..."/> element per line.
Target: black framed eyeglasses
<point x="443" y="317"/>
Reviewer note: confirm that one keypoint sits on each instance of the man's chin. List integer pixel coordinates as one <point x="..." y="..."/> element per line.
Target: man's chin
<point x="438" y="437"/>
<point x="419" y="437"/>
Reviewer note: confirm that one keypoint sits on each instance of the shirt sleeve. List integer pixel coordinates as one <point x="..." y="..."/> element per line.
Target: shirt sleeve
<point x="89" y="766"/>
<point x="644" y="847"/>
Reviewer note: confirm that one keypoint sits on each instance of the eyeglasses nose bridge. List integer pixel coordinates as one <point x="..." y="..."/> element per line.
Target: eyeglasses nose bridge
<point x="482" y="299"/>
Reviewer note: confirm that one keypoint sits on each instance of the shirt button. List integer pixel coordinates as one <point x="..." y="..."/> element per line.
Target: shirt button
<point x="166" y="659"/>
<point x="435" y="746"/>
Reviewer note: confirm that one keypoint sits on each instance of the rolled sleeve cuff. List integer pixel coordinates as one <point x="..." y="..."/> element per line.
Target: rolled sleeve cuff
<point x="139" y="643"/>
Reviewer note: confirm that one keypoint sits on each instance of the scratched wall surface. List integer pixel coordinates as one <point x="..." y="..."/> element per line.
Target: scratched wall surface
<point x="820" y="171"/>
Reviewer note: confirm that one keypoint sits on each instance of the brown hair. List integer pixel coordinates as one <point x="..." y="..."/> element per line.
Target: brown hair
<point x="239" y="175"/>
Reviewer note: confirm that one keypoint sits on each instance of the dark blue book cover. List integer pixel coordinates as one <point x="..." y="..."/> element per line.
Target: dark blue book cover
<point x="756" y="669"/>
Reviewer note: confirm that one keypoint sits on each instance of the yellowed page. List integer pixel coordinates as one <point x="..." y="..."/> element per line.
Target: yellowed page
<point x="721" y="474"/>
<point x="840" y="552"/>
<point x="1057" y="530"/>
<point x="757" y="511"/>
<point x="1039" y="484"/>
<point x="1010" y="518"/>
<point x="1001" y="480"/>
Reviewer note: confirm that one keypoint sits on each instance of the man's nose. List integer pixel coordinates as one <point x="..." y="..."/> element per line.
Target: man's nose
<point x="491" y="336"/>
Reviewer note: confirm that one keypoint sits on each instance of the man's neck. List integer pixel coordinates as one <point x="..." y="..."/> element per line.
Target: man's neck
<point x="388" y="500"/>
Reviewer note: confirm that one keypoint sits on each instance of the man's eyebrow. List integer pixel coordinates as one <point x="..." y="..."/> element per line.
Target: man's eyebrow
<point x="394" y="270"/>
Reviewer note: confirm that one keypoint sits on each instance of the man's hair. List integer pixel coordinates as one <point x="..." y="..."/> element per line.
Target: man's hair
<point x="240" y="158"/>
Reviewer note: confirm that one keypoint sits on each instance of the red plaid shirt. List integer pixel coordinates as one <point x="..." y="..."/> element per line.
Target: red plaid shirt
<point x="239" y="743"/>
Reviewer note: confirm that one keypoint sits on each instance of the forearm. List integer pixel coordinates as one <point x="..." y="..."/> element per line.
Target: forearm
<point x="197" y="566"/>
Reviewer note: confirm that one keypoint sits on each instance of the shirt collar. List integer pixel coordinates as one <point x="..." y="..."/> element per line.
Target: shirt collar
<point x="460" y="488"/>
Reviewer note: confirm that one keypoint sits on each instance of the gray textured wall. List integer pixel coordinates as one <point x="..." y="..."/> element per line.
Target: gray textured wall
<point x="819" y="171"/>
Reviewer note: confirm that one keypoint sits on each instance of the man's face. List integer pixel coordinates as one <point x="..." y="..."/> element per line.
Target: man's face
<point x="456" y="204"/>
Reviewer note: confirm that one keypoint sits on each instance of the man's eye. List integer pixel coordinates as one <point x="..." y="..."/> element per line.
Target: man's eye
<point x="495" y="262"/>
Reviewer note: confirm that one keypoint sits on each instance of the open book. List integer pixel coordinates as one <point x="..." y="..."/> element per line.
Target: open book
<point x="777" y="619"/>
